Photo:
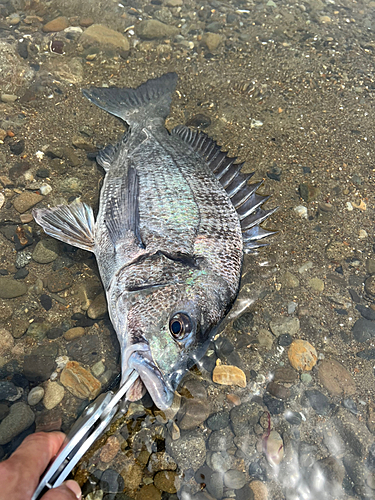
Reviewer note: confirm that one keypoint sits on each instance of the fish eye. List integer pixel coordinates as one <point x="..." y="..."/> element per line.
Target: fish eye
<point x="180" y="325"/>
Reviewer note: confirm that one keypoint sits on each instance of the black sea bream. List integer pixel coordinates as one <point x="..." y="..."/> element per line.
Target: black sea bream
<point x="175" y="218"/>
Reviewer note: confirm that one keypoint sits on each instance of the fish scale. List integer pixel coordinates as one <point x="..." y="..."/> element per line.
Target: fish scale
<point x="175" y="217"/>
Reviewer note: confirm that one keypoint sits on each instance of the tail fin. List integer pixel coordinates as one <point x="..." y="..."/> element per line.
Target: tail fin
<point x="152" y="98"/>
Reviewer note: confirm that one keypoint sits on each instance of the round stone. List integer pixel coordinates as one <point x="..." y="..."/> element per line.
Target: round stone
<point x="192" y="413"/>
<point x="302" y="355"/>
<point x="45" y="251"/>
<point x="10" y="288"/>
<point x="19" y="419"/>
<point x="74" y="333"/>
<point x="218" y="421"/>
<point x="35" y="395"/>
<point x="165" y="480"/>
<point x="336" y="378"/>
<point x="234" y="479"/>
<point x="110" y="449"/>
<point x="54" y="394"/>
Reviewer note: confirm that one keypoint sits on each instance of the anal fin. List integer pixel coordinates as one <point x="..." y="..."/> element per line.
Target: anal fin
<point x="73" y="224"/>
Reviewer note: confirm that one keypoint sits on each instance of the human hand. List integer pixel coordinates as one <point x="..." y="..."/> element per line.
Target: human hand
<point x="20" y="473"/>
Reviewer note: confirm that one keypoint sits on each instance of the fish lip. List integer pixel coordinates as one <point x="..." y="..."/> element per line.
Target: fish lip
<point x="138" y="356"/>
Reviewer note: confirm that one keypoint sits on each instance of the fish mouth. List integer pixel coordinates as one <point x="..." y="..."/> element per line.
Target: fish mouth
<point x="138" y="357"/>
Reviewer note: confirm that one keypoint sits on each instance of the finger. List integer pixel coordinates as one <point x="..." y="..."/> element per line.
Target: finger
<point x="69" y="490"/>
<point x="30" y="460"/>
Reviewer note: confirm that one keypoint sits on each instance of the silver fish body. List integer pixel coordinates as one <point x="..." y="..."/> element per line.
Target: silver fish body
<point x="175" y="217"/>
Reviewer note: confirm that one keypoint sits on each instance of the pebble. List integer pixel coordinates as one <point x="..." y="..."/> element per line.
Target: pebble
<point x="293" y="417"/>
<point x="219" y="461"/>
<point x="285" y="375"/>
<point x="370" y="266"/>
<point x="218" y="421"/>
<point x="26" y="200"/>
<point x="110" y="449"/>
<point x="259" y="490"/>
<point x="37" y="331"/>
<point x="79" y="381"/>
<point x="85" y="349"/>
<point x="74" y="333"/>
<point x="366" y="312"/>
<point x="98" y="307"/>
<point x="132" y="473"/>
<point x="288" y="280"/>
<point x="6" y="341"/>
<point x="148" y="492"/>
<point x="319" y="402"/>
<point x="35" y="395"/>
<point x="111" y="482"/>
<point x="9" y="288"/>
<point x="363" y="329"/>
<point x="234" y="479"/>
<point x="189" y="451"/>
<point x="305" y="267"/>
<point x="152" y="29"/>
<point x="336" y="378"/>
<point x="284" y="325"/>
<point x="308" y="191"/>
<point x="45" y="251"/>
<point x="46" y="302"/>
<point x="279" y="391"/>
<point x="7" y="390"/>
<point x="19" y="327"/>
<point x="165" y="480"/>
<point x="302" y="355"/>
<point x="316" y="284"/>
<point x="211" y="41"/>
<point x="97" y="34"/>
<point x="59" y="280"/>
<point x="19" y="419"/>
<point x="370" y="286"/>
<point x="54" y="333"/>
<point x="8" y="98"/>
<point x="229" y="375"/>
<point x="301" y="211"/>
<point x="21" y="274"/>
<point x="54" y="394"/>
<point x="98" y="369"/>
<point x="274" y="406"/>
<point x="38" y="368"/>
<point x="58" y="24"/>
<point x="265" y="339"/>
<point x="192" y="413"/>
<point x="2" y="199"/>
<point x="244" y="322"/>
<point x="244" y="416"/>
<point x="284" y="340"/>
<point x="273" y="448"/>
<point x="160" y="460"/>
<point x="221" y="440"/>
<point x="45" y="189"/>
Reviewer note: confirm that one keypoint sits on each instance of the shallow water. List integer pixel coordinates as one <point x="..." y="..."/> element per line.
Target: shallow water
<point x="286" y="87"/>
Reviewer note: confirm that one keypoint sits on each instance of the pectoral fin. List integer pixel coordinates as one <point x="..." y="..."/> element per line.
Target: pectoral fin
<point x="73" y="224"/>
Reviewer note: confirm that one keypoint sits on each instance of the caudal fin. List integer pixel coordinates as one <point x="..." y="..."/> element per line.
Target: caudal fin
<point x="150" y="100"/>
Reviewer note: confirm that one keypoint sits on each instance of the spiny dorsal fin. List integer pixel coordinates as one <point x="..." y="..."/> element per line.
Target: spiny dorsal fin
<point x="243" y="195"/>
<point x="105" y="157"/>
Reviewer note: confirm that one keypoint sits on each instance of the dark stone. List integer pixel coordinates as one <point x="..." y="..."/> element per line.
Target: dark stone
<point x="293" y="417"/>
<point x="355" y="280"/>
<point x="111" y="482"/>
<point x="38" y="368"/>
<point x="43" y="172"/>
<point x="199" y="121"/>
<point x="46" y="302"/>
<point x="275" y="406"/>
<point x="342" y="312"/>
<point x="54" y="333"/>
<point x="17" y="147"/>
<point x="3" y="272"/>
<point x="284" y="339"/>
<point x="19" y="380"/>
<point x="218" y="421"/>
<point x="22" y="48"/>
<point x="82" y="320"/>
<point x="18" y="169"/>
<point x="86" y="350"/>
<point x="245" y="493"/>
<point x="4" y="410"/>
<point x="274" y="173"/>
<point x="366" y="312"/>
<point x="350" y="405"/>
<point x="208" y="362"/>
<point x="26" y="235"/>
<point x="354" y="295"/>
<point x="7" y="390"/>
<point x="21" y="273"/>
<point x="244" y="416"/>
<point x="308" y="192"/>
<point x="61" y="262"/>
<point x="319" y="402"/>
<point x="223" y="347"/>
<point x="258" y="471"/>
<point x="363" y="330"/>
<point x="214" y="27"/>
<point x="367" y="354"/>
<point x="306" y="170"/>
<point x="244" y="322"/>
<point x="278" y="390"/>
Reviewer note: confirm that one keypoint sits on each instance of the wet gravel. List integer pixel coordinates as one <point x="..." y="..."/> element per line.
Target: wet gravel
<point x="288" y="87"/>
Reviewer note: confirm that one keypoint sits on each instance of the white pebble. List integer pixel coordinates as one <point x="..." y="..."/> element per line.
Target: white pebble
<point x="301" y="211"/>
<point x="61" y="361"/>
<point x="305" y="267"/>
<point x="349" y="206"/>
<point x="256" y="123"/>
<point x="2" y="199"/>
<point x="45" y="189"/>
<point x="35" y="395"/>
<point x="362" y="234"/>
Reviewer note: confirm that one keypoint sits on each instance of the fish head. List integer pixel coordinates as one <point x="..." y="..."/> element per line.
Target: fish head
<point x="165" y="329"/>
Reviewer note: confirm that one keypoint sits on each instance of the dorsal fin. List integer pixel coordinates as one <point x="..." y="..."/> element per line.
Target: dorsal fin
<point x="243" y="195"/>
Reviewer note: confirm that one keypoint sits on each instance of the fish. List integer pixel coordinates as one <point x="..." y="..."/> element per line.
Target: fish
<point x="175" y="217"/>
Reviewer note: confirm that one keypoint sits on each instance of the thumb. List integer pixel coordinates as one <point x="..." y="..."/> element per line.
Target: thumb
<point x="69" y="490"/>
